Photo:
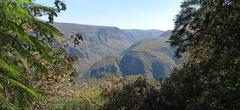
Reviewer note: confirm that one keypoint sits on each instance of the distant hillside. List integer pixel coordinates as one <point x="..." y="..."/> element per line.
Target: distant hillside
<point x="106" y="65"/>
<point x="101" y="41"/>
<point x="135" y="35"/>
<point x="150" y="57"/>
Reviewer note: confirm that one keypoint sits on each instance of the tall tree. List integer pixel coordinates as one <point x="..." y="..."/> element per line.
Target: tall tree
<point x="207" y="34"/>
<point x="25" y="54"/>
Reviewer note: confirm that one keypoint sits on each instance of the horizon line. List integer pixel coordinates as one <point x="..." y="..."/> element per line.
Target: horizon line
<point x="110" y="26"/>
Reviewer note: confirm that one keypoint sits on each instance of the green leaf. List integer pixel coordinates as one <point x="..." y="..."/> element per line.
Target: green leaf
<point x="43" y="49"/>
<point x="18" y="33"/>
<point x="47" y="28"/>
<point x="21" y="86"/>
<point x="10" y="68"/>
<point x="30" y="59"/>
<point x="28" y="90"/>
<point x="1" y="86"/>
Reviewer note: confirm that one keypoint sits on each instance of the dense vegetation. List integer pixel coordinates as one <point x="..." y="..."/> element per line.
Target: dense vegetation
<point x="207" y="32"/>
<point x="112" y="93"/>
<point x="28" y="67"/>
<point x="35" y="76"/>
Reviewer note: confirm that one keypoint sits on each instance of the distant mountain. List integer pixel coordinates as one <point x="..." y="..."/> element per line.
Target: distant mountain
<point x="107" y="65"/>
<point x="135" y="35"/>
<point x="150" y="57"/>
<point x="100" y="41"/>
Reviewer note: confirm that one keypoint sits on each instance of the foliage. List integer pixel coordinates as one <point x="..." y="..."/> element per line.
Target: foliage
<point x="136" y="94"/>
<point x="207" y="33"/>
<point x="110" y="92"/>
<point x="26" y="58"/>
<point x="84" y="96"/>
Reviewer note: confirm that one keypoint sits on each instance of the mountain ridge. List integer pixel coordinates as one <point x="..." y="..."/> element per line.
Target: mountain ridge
<point x="100" y="41"/>
<point x="113" y="50"/>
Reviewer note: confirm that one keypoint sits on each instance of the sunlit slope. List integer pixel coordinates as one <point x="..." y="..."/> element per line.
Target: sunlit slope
<point x="151" y="58"/>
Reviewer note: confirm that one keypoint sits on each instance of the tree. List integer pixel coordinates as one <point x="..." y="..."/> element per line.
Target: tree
<point x="25" y="54"/>
<point x="206" y="33"/>
<point x="138" y="94"/>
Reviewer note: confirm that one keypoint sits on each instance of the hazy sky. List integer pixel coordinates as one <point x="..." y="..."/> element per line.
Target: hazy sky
<point x="125" y="14"/>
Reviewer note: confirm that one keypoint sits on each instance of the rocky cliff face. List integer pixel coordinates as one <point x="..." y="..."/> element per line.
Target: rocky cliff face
<point x="146" y="63"/>
<point x="150" y="58"/>
<point x="108" y="65"/>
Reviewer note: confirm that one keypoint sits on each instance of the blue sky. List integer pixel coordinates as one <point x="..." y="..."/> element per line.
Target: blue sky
<point x="125" y="14"/>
